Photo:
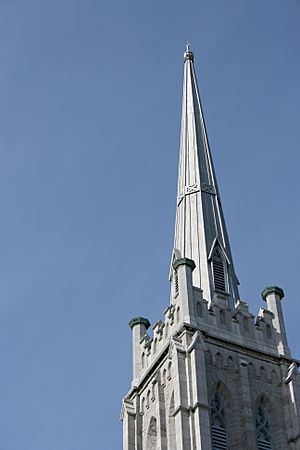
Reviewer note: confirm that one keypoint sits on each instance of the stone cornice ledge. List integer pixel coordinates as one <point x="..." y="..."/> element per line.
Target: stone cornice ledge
<point x="184" y="262"/>
<point x="272" y="290"/>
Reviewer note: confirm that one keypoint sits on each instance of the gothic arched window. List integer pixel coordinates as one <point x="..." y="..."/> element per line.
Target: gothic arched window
<point x="268" y="331"/>
<point x="199" y="309"/>
<point x="263" y="431"/>
<point x="171" y="427"/>
<point x="152" y="435"/>
<point x="222" y="316"/>
<point x="219" y="270"/>
<point x="218" y="423"/>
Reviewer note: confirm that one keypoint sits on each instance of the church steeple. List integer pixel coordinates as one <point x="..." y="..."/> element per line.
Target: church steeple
<point x="188" y="369"/>
<point x="200" y="231"/>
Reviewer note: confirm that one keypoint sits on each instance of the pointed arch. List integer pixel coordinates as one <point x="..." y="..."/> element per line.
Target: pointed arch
<point x="230" y="363"/>
<point x="217" y="244"/>
<point x="178" y="314"/>
<point x="246" y="324"/>
<point x="199" y="309"/>
<point x="231" y="416"/>
<point x="208" y="357"/>
<point x="171" y="424"/>
<point x="219" y="422"/>
<point x="222" y="316"/>
<point x="148" y="399"/>
<point x="262" y="373"/>
<point x="219" y="270"/>
<point x="152" y="435"/>
<point x="173" y="274"/>
<point x="275" y="377"/>
<point x="169" y="371"/>
<point x="252" y="370"/>
<point x="219" y="360"/>
<point x="268" y="331"/>
<point x="263" y="424"/>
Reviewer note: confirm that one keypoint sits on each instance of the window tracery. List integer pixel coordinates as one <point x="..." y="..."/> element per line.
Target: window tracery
<point x="218" y="423"/>
<point x="263" y="431"/>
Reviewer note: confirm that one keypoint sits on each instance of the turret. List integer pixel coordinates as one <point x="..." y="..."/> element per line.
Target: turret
<point x="273" y="296"/>
<point x="183" y="284"/>
<point x="139" y="326"/>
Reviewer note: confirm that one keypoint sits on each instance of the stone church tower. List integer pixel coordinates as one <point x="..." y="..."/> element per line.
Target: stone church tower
<point x="210" y="376"/>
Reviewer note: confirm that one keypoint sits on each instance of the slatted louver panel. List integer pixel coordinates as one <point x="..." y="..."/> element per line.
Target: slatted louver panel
<point x="219" y="438"/>
<point x="263" y="445"/>
<point x="176" y="283"/>
<point x="219" y="274"/>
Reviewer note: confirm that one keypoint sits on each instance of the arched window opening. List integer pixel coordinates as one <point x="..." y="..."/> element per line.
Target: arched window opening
<point x="166" y="330"/>
<point x="222" y="316"/>
<point x="230" y="362"/>
<point x="143" y="360"/>
<point x="199" y="309"/>
<point x="246" y="324"/>
<point x="219" y="271"/>
<point x="262" y="372"/>
<point x="263" y="431"/>
<point x="171" y="427"/>
<point x="148" y="400"/>
<point x="169" y="373"/>
<point x="152" y="435"/>
<point x="268" y="331"/>
<point x="218" y="423"/>
<point x="178" y="314"/>
<point x="219" y="360"/>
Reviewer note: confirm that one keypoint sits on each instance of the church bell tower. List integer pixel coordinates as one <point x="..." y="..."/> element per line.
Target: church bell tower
<point x="210" y="375"/>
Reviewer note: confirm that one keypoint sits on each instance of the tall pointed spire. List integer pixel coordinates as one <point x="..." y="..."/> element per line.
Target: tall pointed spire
<point x="200" y="231"/>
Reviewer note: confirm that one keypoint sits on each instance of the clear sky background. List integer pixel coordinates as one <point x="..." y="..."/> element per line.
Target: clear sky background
<point x="90" y="99"/>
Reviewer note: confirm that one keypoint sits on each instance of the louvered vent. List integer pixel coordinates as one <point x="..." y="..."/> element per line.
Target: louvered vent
<point x="176" y="283"/>
<point x="263" y="445"/>
<point x="219" y="439"/>
<point x="218" y="271"/>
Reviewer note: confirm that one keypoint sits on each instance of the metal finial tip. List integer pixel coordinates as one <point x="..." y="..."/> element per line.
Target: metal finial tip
<point x="188" y="54"/>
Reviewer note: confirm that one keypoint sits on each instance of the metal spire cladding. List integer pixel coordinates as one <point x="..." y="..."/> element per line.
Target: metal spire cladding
<point x="200" y="231"/>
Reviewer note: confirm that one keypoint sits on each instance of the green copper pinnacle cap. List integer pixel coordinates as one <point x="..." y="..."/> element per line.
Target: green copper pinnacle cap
<point x="139" y="321"/>
<point x="184" y="262"/>
<point x="272" y="290"/>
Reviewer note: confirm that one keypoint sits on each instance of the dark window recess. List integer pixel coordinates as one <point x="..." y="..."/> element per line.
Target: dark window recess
<point x="263" y="432"/>
<point x="218" y="423"/>
<point x="218" y="271"/>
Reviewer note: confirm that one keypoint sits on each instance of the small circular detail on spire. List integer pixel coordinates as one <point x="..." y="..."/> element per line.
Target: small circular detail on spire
<point x="188" y="54"/>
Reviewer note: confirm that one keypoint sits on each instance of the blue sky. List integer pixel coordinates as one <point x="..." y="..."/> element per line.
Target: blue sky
<point x="89" y="132"/>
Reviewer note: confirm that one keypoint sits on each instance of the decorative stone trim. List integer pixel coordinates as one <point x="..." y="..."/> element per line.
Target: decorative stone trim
<point x="272" y="290"/>
<point x="188" y="55"/>
<point x="139" y="321"/>
<point x="184" y="262"/>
